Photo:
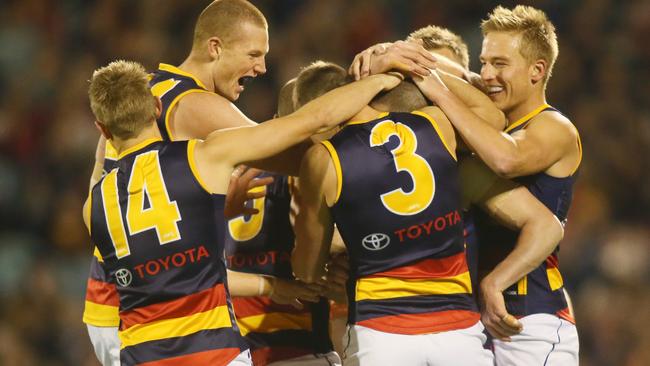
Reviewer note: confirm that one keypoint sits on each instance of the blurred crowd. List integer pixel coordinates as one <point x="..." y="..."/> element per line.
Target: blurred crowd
<point x="48" y="50"/>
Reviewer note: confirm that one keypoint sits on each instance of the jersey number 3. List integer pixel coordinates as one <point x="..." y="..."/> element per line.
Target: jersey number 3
<point x="162" y="214"/>
<point x="419" y="198"/>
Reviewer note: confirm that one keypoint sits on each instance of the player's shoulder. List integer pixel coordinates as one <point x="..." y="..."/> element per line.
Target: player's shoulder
<point x="554" y="122"/>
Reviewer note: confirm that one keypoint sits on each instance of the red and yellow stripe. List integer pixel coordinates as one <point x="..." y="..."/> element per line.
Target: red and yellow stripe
<point x="207" y="309"/>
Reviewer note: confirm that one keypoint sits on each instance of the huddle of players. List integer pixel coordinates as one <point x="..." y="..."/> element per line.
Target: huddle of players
<point x="404" y="234"/>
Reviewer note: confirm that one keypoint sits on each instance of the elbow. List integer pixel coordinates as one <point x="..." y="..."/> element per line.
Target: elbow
<point x="558" y="229"/>
<point x="506" y="167"/>
<point x="301" y="270"/>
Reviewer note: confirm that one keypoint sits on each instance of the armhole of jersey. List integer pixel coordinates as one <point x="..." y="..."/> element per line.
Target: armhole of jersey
<point x="579" y="154"/>
<point x="173" y="104"/>
<point x="337" y="168"/>
<point x="435" y="127"/>
<point x="191" y="144"/>
<point x="98" y="255"/>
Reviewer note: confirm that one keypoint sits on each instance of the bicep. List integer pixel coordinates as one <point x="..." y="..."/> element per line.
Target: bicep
<point x="511" y="204"/>
<point x="199" y="114"/>
<point x="539" y="147"/>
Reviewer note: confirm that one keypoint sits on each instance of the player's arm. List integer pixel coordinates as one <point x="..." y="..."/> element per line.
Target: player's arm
<point x="540" y="232"/>
<point x="476" y="100"/>
<point x="227" y="148"/>
<point x="199" y="114"/>
<point x="98" y="168"/>
<point x="537" y="148"/>
<point x="314" y="227"/>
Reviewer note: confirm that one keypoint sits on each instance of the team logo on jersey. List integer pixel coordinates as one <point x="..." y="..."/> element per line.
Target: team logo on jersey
<point x="375" y="241"/>
<point x="123" y="277"/>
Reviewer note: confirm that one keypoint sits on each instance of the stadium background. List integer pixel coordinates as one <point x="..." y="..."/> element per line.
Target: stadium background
<point x="48" y="50"/>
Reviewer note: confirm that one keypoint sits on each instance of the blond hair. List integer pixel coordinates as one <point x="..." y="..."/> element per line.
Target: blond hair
<point x="434" y="37"/>
<point x="538" y="38"/>
<point x="120" y="98"/>
<point x="222" y="18"/>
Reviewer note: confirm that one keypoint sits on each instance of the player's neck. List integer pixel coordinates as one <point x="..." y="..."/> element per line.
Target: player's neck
<point x="200" y="70"/>
<point x="147" y="133"/>
<point x="522" y="109"/>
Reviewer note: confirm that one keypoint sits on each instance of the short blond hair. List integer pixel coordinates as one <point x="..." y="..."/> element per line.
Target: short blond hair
<point x="223" y="19"/>
<point x="538" y="38"/>
<point x="434" y="37"/>
<point x="120" y="98"/>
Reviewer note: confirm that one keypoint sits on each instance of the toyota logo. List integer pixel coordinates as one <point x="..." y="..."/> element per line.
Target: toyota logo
<point x="123" y="277"/>
<point x="376" y="241"/>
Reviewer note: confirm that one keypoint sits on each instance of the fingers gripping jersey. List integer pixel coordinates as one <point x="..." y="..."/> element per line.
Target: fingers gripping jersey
<point x="161" y="237"/>
<point x="262" y="244"/>
<point x="398" y="212"/>
<point x="170" y="84"/>
<point x="541" y="291"/>
<point x="102" y="302"/>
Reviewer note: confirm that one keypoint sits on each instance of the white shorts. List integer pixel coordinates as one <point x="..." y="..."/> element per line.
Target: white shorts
<point x="546" y="340"/>
<point x="243" y="359"/>
<point x="365" y="346"/>
<point x="321" y="359"/>
<point x="106" y="344"/>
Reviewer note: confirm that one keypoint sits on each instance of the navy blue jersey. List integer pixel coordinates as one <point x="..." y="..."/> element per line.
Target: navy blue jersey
<point x="101" y="308"/>
<point x="541" y="291"/>
<point x="161" y="236"/>
<point x="262" y="244"/>
<point x="170" y="84"/>
<point x="398" y="211"/>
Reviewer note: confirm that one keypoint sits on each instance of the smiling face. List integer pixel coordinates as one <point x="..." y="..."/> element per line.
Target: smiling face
<point x="241" y="60"/>
<point x="509" y="77"/>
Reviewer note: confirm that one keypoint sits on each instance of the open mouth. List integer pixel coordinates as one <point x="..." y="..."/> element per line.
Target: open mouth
<point x="244" y="80"/>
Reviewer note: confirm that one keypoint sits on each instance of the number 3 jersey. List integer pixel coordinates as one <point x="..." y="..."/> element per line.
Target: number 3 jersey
<point x="160" y="234"/>
<point x="398" y="211"/>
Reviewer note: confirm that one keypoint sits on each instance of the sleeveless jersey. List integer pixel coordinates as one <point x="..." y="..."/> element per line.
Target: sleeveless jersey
<point x="160" y="234"/>
<point x="263" y="244"/>
<point x="541" y="291"/>
<point x="102" y="302"/>
<point x="170" y="84"/>
<point x="398" y="211"/>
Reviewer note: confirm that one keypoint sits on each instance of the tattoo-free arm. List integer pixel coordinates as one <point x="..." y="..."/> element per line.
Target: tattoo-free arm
<point x="314" y="227"/>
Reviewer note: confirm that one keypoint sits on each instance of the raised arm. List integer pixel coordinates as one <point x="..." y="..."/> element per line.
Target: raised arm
<point x="227" y="148"/>
<point x="314" y="227"/>
<point x="526" y="152"/>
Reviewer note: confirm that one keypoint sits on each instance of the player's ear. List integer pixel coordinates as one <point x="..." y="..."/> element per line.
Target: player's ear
<point x="103" y="130"/>
<point x="158" y="107"/>
<point x="538" y="70"/>
<point x="215" y="46"/>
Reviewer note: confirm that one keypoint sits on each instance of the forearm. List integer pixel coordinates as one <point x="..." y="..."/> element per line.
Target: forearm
<point x="99" y="162"/>
<point x="343" y="103"/>
<point x="311" y="251"/>
<point x="243" y="284"/>
<point x="497" y="149"/>
<point x="536" y="242"/>
<point x="475" y="100"/>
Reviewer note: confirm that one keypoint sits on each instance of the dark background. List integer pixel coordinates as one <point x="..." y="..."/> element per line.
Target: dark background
<point x="48" y="50"/>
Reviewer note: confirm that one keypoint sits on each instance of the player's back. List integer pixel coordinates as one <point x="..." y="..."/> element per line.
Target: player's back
<point x="398" y="211"/>
<point x="160" y="234"/>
